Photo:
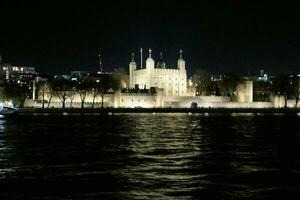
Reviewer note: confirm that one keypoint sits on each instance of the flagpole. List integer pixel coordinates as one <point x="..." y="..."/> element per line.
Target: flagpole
<point x="141" y="58"/>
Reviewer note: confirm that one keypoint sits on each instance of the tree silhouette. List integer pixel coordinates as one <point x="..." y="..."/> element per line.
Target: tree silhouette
<point x="18" y="91"/>
<point x="281" y="86"/>
<point x="102" y="86"/>
<point x="295" y="88"/>
<point x="61" y="88"/>
<point x="82" y="88"/>
<point x="45" y="89"/>
<point x="203" y="83"/>
<point x="229" y="84"/>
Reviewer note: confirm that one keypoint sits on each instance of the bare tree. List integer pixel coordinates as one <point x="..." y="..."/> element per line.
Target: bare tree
<point x="17" y="90"/>
<point x="295" y="89"/>
<point x="71" y="95"/>
<point x="44" y="89"/>
<point x="61" y="89"/>
<point x="51" y="92"/>
<point x="82" y="90"/>
<point x="102" y="86"/>
<point x="203" y="83"/>
<point x="229" y="84"/>
<point x="281" y="86"/>
<point x="92" y="87"/>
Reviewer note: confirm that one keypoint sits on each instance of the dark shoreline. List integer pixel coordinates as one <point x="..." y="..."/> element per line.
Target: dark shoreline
<point x="158" y="110"/>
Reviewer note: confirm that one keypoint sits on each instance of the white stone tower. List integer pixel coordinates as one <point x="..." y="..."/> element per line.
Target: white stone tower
<point x="149" y="70"/>
<point x="150" y="61"/>
<point x="182" y="86"/>
<point x="181" y="62"/>
<point x="132" y="68"/>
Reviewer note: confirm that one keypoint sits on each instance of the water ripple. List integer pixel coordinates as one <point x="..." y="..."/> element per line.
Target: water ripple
<point x="145" y="156"/>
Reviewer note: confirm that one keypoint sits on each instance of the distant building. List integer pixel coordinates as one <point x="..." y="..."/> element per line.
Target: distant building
<point x="17" y="71"/>
<point x="77" y="75"/>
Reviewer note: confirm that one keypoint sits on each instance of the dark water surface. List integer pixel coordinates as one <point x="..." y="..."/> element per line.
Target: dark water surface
<point x="146" y="156"/>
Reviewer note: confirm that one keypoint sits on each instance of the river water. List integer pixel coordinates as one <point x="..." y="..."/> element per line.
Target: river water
<point x="150" y="156"/>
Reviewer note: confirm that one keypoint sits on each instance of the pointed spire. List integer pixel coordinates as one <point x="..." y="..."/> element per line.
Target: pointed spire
<point x="150" y="52"/>
<point x="161" y="55"/>
<point x="132" y="57"/>
<point x="180" y="52"/>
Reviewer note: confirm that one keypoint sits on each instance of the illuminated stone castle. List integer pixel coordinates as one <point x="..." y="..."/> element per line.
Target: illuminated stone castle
<point x="157" y="86"/>
<point x="172" y="81"/>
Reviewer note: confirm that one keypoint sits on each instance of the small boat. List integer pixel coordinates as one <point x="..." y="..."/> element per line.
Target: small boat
<point x="7" y="110"/>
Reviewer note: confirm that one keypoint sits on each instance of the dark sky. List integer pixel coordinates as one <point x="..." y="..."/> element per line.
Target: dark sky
<point x="218" y="36"/>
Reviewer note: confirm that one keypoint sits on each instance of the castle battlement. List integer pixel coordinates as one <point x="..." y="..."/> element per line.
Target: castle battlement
<point x="166" y="69"/>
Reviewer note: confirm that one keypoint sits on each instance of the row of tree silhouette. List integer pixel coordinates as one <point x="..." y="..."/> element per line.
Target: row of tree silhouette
<point x="284" y="85"/>
<point x="63" y="89"/>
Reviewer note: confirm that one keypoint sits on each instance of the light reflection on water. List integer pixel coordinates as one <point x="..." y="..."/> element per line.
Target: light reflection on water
<point x="146" y="156"/>
<point x="2" y="122"/>
<point x="5" y="152"/>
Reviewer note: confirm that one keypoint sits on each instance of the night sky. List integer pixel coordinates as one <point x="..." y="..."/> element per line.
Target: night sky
<point x="230" y="35"/>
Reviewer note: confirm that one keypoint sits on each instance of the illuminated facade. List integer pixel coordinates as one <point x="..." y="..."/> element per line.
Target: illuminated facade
<point x="157" y="86"/>
<point x="136" y="98"/>
<point x="173" y="82"/>
<point x="244" y="92"/>
<point x="18" y="71"/>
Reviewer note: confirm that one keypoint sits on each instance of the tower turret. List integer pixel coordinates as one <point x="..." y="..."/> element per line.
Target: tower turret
<point x="160" y="63"/>
<point x="181" y="62"/>
<point x="132" y="68"/>
<point x="150" y="61"/>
